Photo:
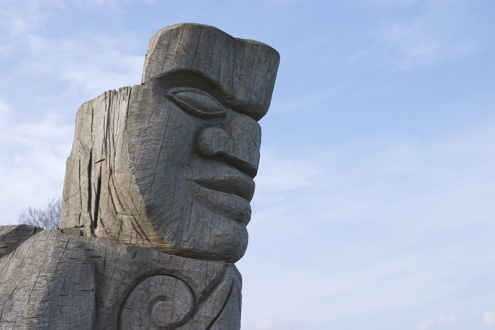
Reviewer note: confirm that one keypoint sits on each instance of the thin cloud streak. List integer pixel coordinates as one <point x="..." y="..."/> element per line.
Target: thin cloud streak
<point x="435" y="35"/>
<point x="33" y="157"/>
<point x="489" y="319"/>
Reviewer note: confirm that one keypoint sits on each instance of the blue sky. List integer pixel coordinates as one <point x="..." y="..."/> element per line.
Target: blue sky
<point x="374" y="203"/>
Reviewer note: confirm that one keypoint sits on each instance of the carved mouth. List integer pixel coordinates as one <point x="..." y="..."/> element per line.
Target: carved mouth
<point x="226" y="192"/>
<point x="239" y="186"/>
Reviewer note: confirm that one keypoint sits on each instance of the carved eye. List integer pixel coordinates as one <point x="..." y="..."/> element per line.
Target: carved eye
<point x="197" y="103"/>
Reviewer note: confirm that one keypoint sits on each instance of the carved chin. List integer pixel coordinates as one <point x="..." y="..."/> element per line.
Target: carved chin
<point x="214" y="237"/>
<point x="223" y="245"/>
<point x="203" y="233"/>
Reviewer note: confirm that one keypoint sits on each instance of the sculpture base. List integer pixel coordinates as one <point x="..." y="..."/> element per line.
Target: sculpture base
<point x="59" y="281"/>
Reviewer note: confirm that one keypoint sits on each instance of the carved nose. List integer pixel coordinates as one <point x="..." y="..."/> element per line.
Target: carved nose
<point x="237" y="144"/>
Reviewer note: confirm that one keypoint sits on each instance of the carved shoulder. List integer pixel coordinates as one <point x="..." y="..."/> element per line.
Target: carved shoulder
<point x="13" y="236"/>
<point x="47" y="283"/>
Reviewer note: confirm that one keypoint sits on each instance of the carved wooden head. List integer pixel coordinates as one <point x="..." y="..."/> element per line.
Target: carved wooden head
<point x="170" y="163"/>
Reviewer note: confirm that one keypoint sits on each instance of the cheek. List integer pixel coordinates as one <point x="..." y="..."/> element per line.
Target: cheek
<point x="160" y="142"/>
<point x="177" y="142"/>
<point x="165" y="194"/>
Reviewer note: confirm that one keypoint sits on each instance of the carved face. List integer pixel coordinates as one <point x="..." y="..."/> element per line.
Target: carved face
<point x="169" y="164"/>
<point x="194" y="162"/>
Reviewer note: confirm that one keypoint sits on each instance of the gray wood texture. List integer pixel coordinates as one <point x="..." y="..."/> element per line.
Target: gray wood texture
<point x="59" y="281"/>
<point x="47" y="283"/>
<point x="13" y="236"/>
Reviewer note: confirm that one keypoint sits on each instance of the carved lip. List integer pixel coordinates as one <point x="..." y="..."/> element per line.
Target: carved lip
<point x="223" y="189"/>
<point x="227" y="205"/>
<point x="225" y="179"/>
<point x="235" y="185"/>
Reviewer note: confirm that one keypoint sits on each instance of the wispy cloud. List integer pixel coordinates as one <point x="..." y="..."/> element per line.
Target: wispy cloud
<point x="33" y="159"/>
<point x="75" y="62"/>
<point x="18" y="18"/>
<point x="489" y="319"/>
<point x="447" y="319"/>
<point x="419" y="43"/>
<point x="434" y="34"/>
<point x="444" y="321"/>
<point x="425" y="325"/>
<point x="279" y="173"/>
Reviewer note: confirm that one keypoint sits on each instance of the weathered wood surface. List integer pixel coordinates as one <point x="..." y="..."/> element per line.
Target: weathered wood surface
<point x="48" y="282"/>
<point x="13" y="236"/>
<point x="58" y="281"/>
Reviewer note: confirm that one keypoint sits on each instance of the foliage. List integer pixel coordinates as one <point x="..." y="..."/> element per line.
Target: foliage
<point x="46" y="217"/>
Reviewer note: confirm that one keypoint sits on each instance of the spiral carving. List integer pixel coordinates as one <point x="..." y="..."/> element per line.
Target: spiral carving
<point x="158" y="302"/>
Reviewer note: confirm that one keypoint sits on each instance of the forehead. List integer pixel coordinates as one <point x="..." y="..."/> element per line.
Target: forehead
<point x="242" y="70"/>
